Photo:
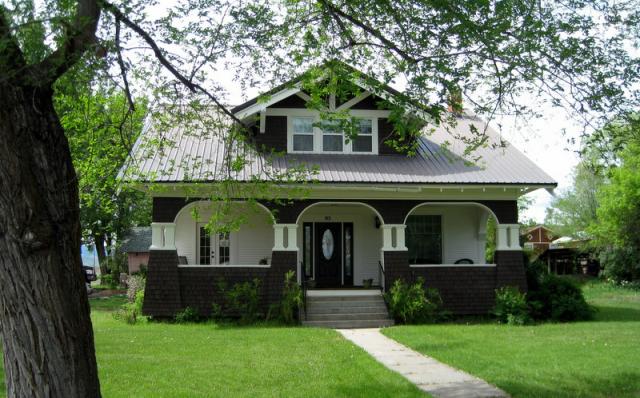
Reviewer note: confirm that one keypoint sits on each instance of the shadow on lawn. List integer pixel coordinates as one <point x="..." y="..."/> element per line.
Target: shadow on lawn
<point x="625" y="383"/>
<point x="616" y="314"/>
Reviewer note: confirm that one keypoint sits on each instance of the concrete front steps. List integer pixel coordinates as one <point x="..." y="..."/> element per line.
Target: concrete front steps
<point x="346" y="309"/>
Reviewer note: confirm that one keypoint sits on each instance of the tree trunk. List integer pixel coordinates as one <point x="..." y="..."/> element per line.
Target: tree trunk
<point x="47" y="336"/>
<point x="98" y="240"/>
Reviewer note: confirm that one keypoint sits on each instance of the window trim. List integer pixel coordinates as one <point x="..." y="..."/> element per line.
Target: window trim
<point x="293" y="133"/>
<point x="347" y="148"/>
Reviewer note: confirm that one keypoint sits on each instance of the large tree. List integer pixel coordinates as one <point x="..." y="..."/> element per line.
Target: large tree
<point x="101" y="131"/>
<point x="494" y="53"/>
<point x="573" y="211"/>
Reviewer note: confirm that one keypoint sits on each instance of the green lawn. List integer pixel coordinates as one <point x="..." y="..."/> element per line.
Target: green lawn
<point x="203" y="360"/>
<point x="600" y="358"/>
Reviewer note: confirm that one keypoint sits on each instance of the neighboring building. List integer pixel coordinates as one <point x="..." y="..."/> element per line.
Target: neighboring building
<point x="537" y="239"/>
<point x="136" y="244"/>
<point x="567" y="255"/>
<point x="374" y="214"/>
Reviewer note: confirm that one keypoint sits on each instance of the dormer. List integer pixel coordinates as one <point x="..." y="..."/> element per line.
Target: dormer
<point x="288" y="119"/>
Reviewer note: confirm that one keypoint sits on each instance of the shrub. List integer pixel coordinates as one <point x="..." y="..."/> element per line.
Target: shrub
<point x="131" y="311"/>
<point x="511" y="306"/>
<point x="136" y="283"/>
<point x="620" y="264"/>
<point x="244" y="300"/>
<point x="558" y="299"/>
<point x="142" y="271"/>
<point x="413" y="303"/>
<point x="109" y="281"/>
<point x="126" y="314"/>
<point x="291" y="299"/>
<point x="535" y="272"/>
<point x="189" y="314"/>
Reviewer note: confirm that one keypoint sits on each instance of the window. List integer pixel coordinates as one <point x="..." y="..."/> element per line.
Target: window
<point x="364" y="141"/>
<point x="424" y="239"/>
<point x="312" y="133"/>
<point x="204" y="246"/>
<point x="308" y="250"/>
<point x="302" y="133"/>
<point x="332" y="139"/>
<point x="348" y="244"/>
<point x="223" y="248"/>
<point x="214" y="249"/>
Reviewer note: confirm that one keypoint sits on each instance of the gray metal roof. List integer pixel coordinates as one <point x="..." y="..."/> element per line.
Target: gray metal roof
<point x="184" y="156"/>
<point x="137" y="240"/>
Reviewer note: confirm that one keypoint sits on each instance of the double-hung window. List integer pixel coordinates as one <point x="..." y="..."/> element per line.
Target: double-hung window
<point x="332" y="137"/>
<point x="302" y="134"/>
<point x="424" y="239"/>
<point x="364" y="141"/>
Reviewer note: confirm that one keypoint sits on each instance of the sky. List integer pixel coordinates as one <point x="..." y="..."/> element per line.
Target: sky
<point x="546" y="142"/>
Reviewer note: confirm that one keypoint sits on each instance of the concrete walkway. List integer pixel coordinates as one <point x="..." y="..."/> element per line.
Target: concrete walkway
<point x="429" y="375"/>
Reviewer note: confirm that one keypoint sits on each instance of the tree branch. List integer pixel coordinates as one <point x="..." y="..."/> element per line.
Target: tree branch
<point x="334" y="11"/>
<point x="123" y="69"/>
<point x="79" y="36"/>
<point x="194" y="87"/>
<point x="13" y="59"/>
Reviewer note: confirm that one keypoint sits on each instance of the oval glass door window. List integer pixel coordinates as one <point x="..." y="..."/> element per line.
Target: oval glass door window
<point x="327" y="244"/>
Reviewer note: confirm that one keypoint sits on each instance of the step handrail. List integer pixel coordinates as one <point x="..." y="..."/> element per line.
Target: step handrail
<point x="381" y="276"/>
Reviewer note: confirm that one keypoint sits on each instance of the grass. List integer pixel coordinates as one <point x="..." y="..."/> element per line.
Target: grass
<point x="207" y="360"/>
<point x="598" y="358"/>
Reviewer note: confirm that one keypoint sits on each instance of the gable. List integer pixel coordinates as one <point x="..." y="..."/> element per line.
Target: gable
<point x="271" y="130"/>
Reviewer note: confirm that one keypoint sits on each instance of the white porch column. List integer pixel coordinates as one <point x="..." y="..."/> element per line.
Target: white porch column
<point x="157" y="238"/>
<point x="292" y="237"/>
<point x="514" y="237"/>
<point x="278" y="237"/>
<point x="400" y="239"/>
<point x="169" y="236"/>
<point x="387" y="237"/>
<point x="387" y="243"/>
<point x="502" y="242"/>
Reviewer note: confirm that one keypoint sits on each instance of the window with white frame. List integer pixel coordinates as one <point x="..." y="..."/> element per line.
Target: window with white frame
<point x="364" y="141"/>
<point x="310" y="134"/>
<point x="302" y="134"/>
<point x="332" y="137"/>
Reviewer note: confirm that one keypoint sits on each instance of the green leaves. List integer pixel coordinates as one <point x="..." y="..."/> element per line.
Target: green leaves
<point x="101" y="133"/>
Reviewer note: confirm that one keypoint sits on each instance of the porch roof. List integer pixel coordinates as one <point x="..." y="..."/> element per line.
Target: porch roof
<point x="188" y="157"/>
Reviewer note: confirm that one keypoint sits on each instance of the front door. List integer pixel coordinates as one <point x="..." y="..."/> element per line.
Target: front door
<point x="328" y="254"/>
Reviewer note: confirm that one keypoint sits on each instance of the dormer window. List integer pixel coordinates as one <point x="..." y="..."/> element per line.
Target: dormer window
<point x="364" y="141"/>
<point x="307" y="133"/>
<point x="302" y="134"/>
<point x="332" y="138"/>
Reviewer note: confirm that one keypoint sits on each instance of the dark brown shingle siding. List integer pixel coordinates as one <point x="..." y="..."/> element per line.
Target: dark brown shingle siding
<point x="274" y="136"/>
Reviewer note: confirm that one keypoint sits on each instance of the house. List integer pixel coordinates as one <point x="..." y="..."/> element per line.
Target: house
<point x="136" y="245"/>
<point x="537" y="238"/>
<point x="372" y="214"/>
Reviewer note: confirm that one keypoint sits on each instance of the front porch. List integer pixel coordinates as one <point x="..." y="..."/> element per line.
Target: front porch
<point x="334" y="244"/>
